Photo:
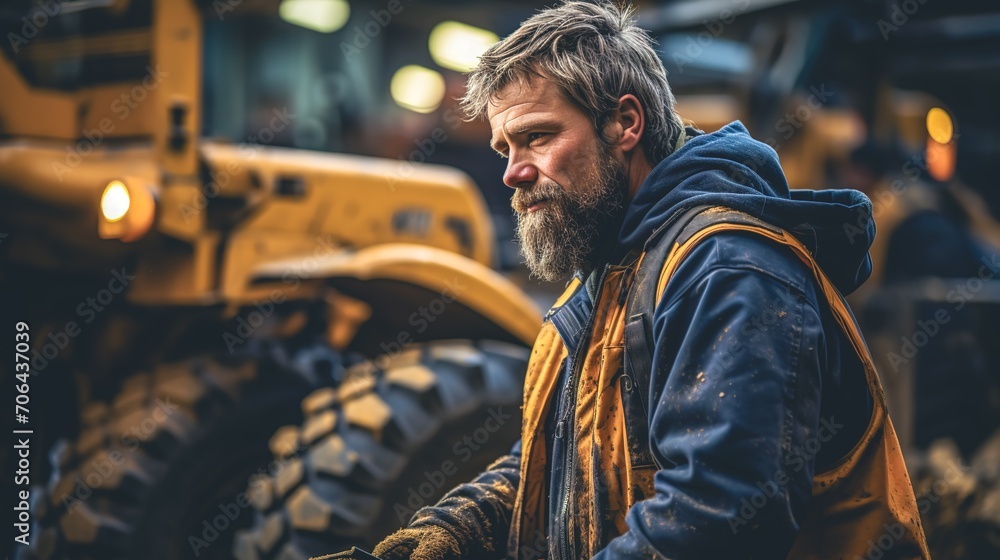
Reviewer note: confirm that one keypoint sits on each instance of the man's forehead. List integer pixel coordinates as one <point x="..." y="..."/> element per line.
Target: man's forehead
<point x="521" y="96"/>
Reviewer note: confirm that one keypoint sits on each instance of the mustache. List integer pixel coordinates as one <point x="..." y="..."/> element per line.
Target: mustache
<point x="525" y="198"/>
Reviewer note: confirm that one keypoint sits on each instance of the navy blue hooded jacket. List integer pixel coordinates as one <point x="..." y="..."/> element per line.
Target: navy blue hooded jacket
<point x="786" y="397"/>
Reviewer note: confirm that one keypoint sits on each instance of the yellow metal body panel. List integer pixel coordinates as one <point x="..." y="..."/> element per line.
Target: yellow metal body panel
<point x="26" y="112"/>
<point x="310" y="216"/>
<point x="357" y="201"/>
<point x="346" y="202"/>
<point x="177" y="49"/>
<point x="50" y="172"/>
<point x="476" y="286"/>
<point x="127" y="109"/>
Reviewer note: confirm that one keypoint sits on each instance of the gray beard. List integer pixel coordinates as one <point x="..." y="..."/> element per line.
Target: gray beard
<point x="571" y="231"/>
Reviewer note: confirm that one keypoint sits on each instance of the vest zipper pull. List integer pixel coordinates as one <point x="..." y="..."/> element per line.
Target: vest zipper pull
<point x="560" y="427"/>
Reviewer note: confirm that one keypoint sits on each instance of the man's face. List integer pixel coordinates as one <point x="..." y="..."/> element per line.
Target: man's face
<point x="569" y="190"/>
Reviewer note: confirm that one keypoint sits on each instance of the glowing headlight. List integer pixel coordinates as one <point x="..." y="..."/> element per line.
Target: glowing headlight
<point x="128" y="207"/>
<point x="115" y="201"/>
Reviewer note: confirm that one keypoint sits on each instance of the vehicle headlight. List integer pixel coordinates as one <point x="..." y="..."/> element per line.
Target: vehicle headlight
<point x="115" y="201"/>
<point x="127" y="209"/>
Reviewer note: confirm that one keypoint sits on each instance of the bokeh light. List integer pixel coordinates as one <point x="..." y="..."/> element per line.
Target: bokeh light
<point x="939" y="125"/>
<point x="417" y="88"/>
<point x="457" y="46"/>
<point x="325" y="16"/>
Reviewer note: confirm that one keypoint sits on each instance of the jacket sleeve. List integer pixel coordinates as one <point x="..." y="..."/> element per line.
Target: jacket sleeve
<point x="734" y="403"/>
<point x="478" y="513"/>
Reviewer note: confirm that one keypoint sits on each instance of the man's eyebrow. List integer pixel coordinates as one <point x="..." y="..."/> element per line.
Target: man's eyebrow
<point x="527" y="124"/>
<point x="521" y="128"/>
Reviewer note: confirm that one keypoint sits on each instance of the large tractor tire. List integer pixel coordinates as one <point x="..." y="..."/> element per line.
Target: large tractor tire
<point x="386" y="442"/>
<point x="173" y="448"/>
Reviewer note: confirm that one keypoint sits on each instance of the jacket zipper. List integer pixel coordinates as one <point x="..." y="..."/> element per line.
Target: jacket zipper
<point x="569" y="414"/>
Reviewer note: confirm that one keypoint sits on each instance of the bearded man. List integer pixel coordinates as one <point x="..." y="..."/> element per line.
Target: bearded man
<point x="739" y="415"/>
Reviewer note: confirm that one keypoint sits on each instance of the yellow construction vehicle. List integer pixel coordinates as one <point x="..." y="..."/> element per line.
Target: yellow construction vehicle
<point x="183" y="294"/>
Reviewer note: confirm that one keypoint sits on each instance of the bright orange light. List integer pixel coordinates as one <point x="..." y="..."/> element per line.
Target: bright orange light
<point x="940" y="159"/>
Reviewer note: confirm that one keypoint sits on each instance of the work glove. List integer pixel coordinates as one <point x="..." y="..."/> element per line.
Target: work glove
<point x="428" y="542"/>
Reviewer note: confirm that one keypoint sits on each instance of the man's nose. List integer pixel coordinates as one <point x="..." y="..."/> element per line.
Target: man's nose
<point x="519" y="173"/>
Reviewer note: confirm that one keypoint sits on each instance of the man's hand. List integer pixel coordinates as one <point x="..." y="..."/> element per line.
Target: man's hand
<point x="428" y="542"/>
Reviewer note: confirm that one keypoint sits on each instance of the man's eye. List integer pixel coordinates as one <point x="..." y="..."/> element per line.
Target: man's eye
<point x="532" y="136"/>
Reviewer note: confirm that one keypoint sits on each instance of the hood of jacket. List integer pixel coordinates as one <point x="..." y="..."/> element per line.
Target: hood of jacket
<point x="729" y="168"/>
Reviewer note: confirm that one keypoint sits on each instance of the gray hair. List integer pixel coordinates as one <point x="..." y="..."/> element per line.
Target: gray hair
<point x="595" y="54"/>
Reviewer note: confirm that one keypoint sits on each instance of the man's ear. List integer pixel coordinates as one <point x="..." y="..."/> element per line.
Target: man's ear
<point x="631" y="121"/>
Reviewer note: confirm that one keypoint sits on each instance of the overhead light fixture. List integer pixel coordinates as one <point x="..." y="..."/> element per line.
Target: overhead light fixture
<point x="325" y="16"/>
<point x="458" y="46"/>
<point x="417" y="88"/>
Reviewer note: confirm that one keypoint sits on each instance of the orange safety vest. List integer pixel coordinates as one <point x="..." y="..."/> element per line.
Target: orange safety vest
<point x="864" y="497"/>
